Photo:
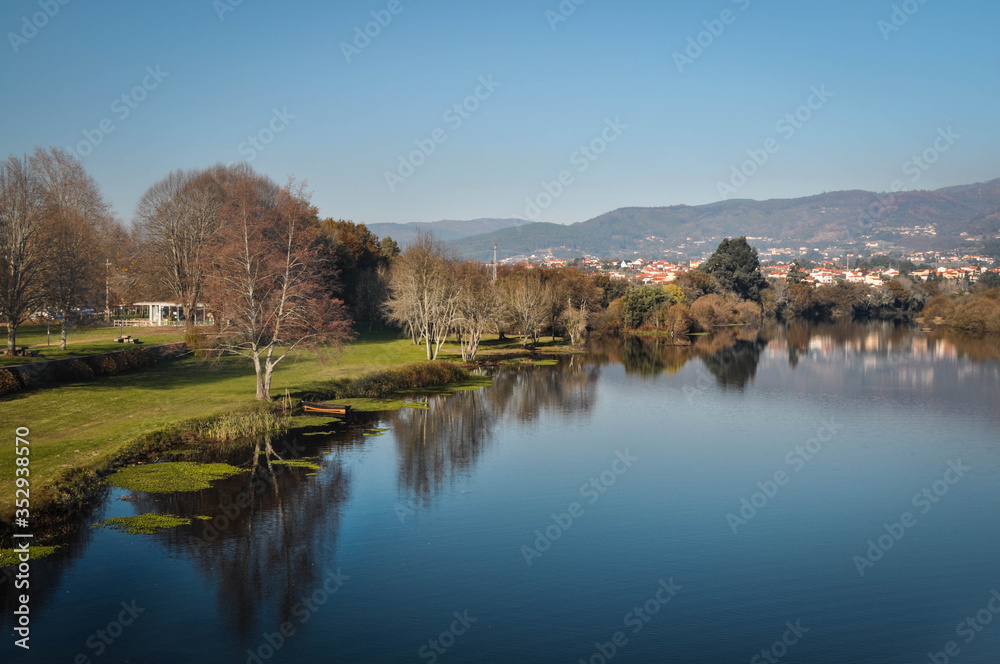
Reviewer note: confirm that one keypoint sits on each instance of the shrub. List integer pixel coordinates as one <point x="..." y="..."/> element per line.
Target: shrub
<point x="939" y="306"/>
<point x="611" y="321"/>
<point x="711" y="310"/>
<point x="73" y="370"/>
<point x="26" y="379"/>
<point x="8" y="382"/>
<point x="749" y="313"/>
<point x="382" y="384"/>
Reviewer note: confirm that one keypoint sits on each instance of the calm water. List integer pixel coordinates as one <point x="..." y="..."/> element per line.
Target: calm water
<point x="621" y="478"/>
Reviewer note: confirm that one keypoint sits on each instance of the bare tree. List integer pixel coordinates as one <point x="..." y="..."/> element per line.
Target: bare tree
<point x="265" y="280"/>
<point x="177" y="217"/>
<point x="422" y="295"/>
<point x="478" y="306"/>
<point x="75" y="210"/>
<point x="22" y="245"/>
<point x="528" y="299"/>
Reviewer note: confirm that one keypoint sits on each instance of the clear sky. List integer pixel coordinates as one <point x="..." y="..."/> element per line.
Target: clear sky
<point x="278" y="71"/>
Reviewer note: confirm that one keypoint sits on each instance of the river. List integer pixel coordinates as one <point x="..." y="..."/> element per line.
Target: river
<point x="814" y="494"/>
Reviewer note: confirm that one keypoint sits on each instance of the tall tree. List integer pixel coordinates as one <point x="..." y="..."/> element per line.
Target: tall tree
<point x="479" y="306"/>
<point x="736" y="267"/>
<point x="177" y="217"/>
<point x="356" y="252"/>
<point x="75" y="213"/>
<point x="264" y="276"/>
<point x="422" y="295"/>
<point x="22" y="243"/>
<point x="528" y="298"/>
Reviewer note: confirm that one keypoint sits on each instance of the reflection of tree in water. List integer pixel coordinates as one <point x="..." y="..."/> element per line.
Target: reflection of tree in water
<point x="270" y="539"/>
<point x="736" y="364"/>
<point x="449" y="437"/>
<point x="731" y="355"/>
<point x="445" y="440"/>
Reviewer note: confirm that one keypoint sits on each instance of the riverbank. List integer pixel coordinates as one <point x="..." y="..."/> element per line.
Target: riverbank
<point x="81" y="430"/>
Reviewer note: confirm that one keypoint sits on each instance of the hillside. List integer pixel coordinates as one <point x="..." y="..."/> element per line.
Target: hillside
<point x="447" y="230"/>
<point x="835" y="218"/>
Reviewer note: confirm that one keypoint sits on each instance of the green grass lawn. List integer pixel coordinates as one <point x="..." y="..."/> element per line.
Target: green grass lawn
<point x="86" y="341"/>
<point x="84" y="424"/>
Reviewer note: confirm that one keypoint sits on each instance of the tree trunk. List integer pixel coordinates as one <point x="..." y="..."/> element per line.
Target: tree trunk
<point x="11" y="338"/>
<point x="268" y="374"/>
<point x="259" y="370"/>
<point x="62" y="333"/>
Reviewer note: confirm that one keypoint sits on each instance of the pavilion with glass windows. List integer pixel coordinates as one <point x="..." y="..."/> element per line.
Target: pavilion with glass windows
<point x="171" y="313"/>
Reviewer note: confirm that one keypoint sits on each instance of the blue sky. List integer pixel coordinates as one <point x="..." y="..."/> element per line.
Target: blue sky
<point x="228" y="72"/>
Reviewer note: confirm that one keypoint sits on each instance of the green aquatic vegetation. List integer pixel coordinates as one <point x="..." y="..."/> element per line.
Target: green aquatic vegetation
<point x="471" y="383"/>
<point x="10" y="557"/>
<point x="143" y="524"/>
<point x="545" y="363"/>
<point x="372" y="405"/>
<point x="171" y="477"/>
<point x="297" y="463"/>
<point x="310" y="421"/>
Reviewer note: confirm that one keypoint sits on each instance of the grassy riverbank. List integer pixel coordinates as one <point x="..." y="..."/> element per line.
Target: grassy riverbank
<point x="85" y="425"/>
<point x="86" y="341"/>
<point x="79" y="429"/>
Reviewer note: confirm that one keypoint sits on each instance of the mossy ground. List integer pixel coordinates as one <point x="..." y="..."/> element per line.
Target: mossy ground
<point x="171" y="477"/>
<point x="143" y="524"/>
<point x="9" y="557"/>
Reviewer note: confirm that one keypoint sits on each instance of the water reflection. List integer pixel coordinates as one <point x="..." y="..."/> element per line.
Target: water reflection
<point x="446" y="440"/>
<point x="732" y="356"/>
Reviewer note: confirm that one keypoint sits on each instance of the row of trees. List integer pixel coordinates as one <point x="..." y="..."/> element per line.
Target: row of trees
<point x="433" y="295"/>
<point x="255" y="252"/>
<point x="56" y="230"/>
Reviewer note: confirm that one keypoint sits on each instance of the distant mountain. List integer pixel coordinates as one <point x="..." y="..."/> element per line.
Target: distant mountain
<point x="445" y="230"/>
<point x="829" y="219"/>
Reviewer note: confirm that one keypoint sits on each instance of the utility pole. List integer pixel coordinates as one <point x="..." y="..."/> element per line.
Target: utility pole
<point x="494" y="262"/>
<point x="107" y="290"/>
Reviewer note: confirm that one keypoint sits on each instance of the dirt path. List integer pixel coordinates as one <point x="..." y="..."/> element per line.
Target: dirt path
<point x="74" y="341"/>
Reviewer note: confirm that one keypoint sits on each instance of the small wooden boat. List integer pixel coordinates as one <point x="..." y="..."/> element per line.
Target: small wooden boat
<point x="325" y="408"/>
